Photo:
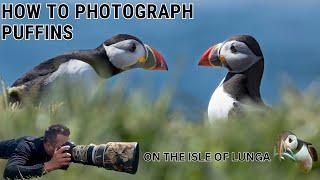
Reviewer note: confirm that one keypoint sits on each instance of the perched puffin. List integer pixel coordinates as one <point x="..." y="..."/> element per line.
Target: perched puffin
<point x="302" y="152"/>
<point x="119" y="53"/>
<point x="243" y="58"/>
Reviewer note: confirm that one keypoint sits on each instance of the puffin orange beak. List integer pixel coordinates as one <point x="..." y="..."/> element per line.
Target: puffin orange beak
<point x="280" y="149"/>
<point x="160" y="62"/>
<point x="154" y="61"/>
<point x="211" y="57"/>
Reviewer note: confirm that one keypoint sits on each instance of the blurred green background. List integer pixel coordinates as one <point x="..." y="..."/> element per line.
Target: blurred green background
<point x="117" y="116"/>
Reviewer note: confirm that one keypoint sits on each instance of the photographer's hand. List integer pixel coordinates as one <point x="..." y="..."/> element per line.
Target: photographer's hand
<point x="59" y="159"/>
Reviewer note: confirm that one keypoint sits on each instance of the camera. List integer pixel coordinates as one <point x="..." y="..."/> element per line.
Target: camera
<point x="117" y="156"/>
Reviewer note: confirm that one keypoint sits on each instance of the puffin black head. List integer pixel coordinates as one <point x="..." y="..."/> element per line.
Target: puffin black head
<point x="127" y="52"/>
<point x="238" y="54"/>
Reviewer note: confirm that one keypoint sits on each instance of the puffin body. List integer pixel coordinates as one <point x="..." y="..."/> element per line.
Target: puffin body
<point x="120" y="53"/>
<point x="243" y="58"/>
<point x="74" y="69"/>
<point x="221" y="103"/>
<point x="302" y="152"/>
<point x="304" y="158"/>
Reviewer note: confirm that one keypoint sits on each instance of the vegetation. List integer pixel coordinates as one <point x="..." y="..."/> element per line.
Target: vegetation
<point x="114" y="116"/>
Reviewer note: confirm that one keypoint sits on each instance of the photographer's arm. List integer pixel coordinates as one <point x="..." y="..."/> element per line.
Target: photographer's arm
<point x="16" y="167"/>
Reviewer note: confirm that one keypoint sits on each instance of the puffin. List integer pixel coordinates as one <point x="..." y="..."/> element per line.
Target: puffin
<point x="300" y="151"/>
<point x="242" y="57"/>
<point x="120" y="53"/>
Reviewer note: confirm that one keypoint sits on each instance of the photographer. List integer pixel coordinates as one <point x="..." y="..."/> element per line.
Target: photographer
<point x="35" y="156"/>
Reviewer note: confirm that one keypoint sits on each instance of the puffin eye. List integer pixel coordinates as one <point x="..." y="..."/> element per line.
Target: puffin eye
<point x="233" y="49"/>
<point x="133" y="47"/>
<point x="290" y="140"/>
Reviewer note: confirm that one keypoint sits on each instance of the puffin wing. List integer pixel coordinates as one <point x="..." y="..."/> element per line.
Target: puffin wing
<point x="29" y="84"/>
<point x="313" y="153"/>
<point x="42" y="70"/>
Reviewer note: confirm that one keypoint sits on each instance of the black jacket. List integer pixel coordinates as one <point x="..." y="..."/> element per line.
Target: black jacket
<point x="26" y="157"/>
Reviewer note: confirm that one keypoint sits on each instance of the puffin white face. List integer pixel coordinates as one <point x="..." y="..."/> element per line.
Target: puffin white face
<point x="126" y="54"/>
<point x="237" y="55"/>
<point x="233" y="54"/>
<point x="130" y="53"/>
<point x="291" y="143"/>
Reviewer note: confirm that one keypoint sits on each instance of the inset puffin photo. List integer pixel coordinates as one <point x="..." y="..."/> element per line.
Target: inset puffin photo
<point x="303" y="153"/>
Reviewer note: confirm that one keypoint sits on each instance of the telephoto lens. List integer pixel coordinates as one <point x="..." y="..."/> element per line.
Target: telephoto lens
<point x="117" y="156"/>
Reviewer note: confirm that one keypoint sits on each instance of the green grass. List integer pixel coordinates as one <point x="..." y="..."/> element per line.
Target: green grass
<point x="113" y="116"/>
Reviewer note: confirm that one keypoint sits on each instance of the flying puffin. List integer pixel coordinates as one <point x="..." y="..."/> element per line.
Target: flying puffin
<point x="119" y="53"/>
<point x="243" y="58"/>
<point x="302" y="152"/>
